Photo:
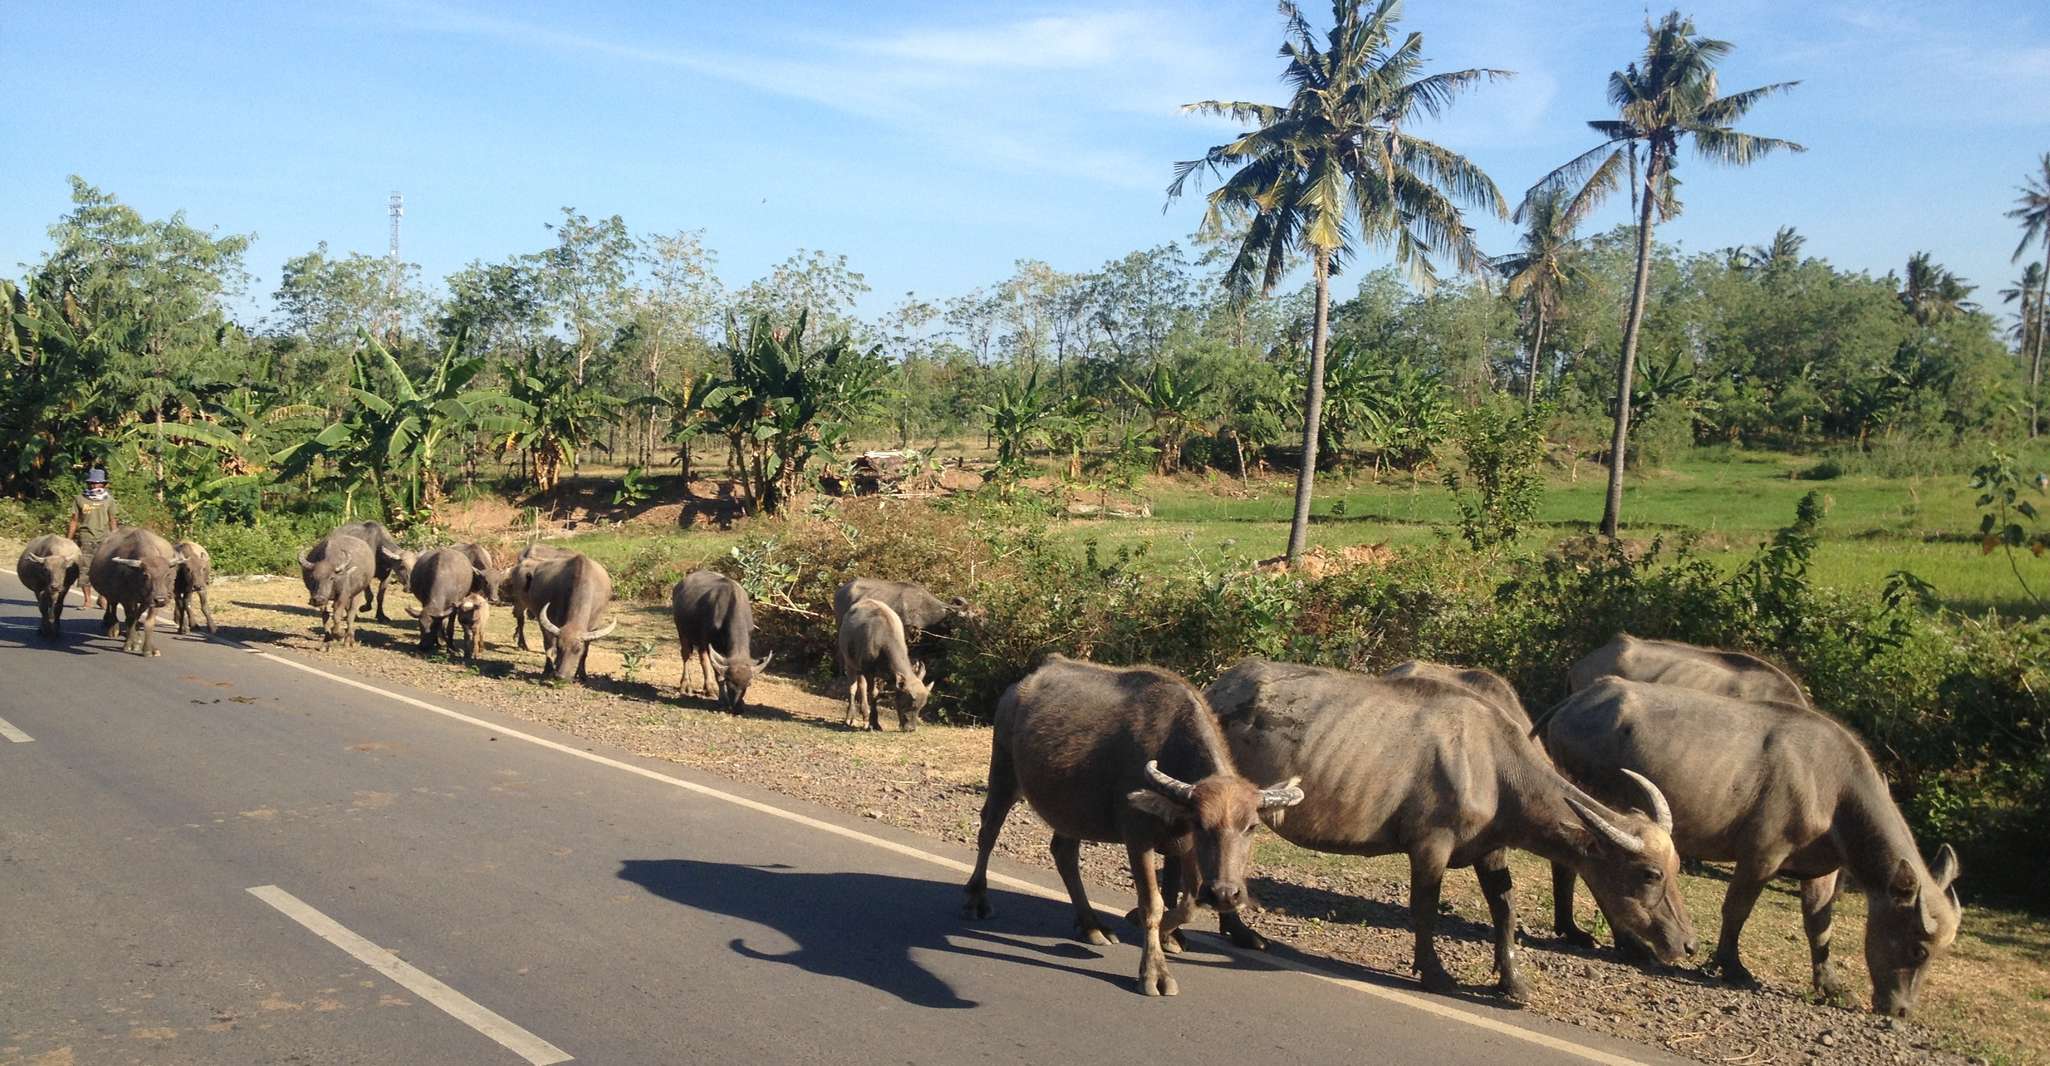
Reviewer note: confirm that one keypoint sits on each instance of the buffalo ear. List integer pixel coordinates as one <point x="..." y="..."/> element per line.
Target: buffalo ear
<point x="1945" y="870"/>
<point x="1903" y="886"/>
<point x="1165" y="808"/>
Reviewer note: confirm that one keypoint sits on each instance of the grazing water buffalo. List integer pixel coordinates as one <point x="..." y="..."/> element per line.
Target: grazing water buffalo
<point x="1125" y="755"/>
<point x="715" y="622"/>
<point x="1490" y="685"/>
<point x="135" y="570"/>
<point x="1435" y="771"/>
<point x="568" y="596"/>
<point x="872" y="656"/>
<point x="392" y="561"/>
<point x="49" y="566"/>
<point x="1735" y="674"/>
<point x="533" y="559"/>
<point x="1780" y="790"/>
<point x="917" y="608"/>
<point x="337" y="570"/>
<point x="440" y="580"/>
<point x="194" y="575"/>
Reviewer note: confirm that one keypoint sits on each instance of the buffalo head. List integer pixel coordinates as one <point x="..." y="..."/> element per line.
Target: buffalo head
<point x="1634" y="871"/>
<point x="735" y="675"/>
<point x="1221" y="811"/>
<point x="570" y="644"/>
<point x="1913" y="920"/>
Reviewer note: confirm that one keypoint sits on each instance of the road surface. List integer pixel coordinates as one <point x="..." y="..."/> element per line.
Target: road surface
<point x="231" y="855"/>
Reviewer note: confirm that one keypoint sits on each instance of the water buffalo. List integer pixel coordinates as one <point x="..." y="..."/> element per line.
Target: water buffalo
<point x="872" y="656"/>
<point x="336" y="570"/>
<point x="1490" y="685"/>
<point x="1735" y="674"/>
<point x="194" y="575"/>
<point x="1780" y="790"/>
<point x="1125" y="755"/>
<point x="49" y="566"/>
<point x="135" y="570"/>
<point x="392" y="561"/>
<point x="917" y="608"/>
<point x="441" y="579"/>
<point x="568" y="596"/>
<point x="1435" y="771"/>
<point x="533" y="558"/>
<point x="715" y="622"/>
<point x="474" y="611"/>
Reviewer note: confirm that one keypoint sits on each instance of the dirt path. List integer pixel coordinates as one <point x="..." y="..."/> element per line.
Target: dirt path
<point x="930" y="781"/>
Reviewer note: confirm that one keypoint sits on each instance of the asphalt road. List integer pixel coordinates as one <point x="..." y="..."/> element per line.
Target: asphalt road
<point x="570" y="901"/>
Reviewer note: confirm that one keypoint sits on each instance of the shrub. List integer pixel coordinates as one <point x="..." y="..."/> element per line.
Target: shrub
<point x="1504" y="448"/>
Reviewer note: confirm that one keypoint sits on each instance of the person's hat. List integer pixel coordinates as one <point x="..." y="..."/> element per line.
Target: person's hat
<point x="96" y="476"/>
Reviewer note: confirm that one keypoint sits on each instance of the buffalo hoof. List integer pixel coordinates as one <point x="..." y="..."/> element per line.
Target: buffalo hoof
<point x="1435" y="979"/>
<point x="1577" y="937"/>
<point x="1733" y="971"/>
<point x="1095" y="934"/>
<point x="1830" y="986"/>
<point x="977" y="908"/>
<point x="1240" y="934"/>
<point x="1154" y="979"/>
<point x="1514" y="989"/>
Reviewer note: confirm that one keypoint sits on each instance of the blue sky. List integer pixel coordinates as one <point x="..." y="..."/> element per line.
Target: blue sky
<point x="935" y="144"/>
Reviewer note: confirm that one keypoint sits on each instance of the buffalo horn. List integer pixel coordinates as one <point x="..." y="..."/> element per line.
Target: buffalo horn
<point x="1661" y="812"/>
<point x="414" y="611"/>
<point x="38" y="559"/>
<point x="1287" y="794"/>
<point x="603" y="633"/>
<point x="718" y="660"/>
<point x="136" y="563"/>
<point x="1166" y="785"/>
<point x="547" y="626"/>
<point x="1601" y="825"/>
<point x="763" y="663"/>
<point x="304" y="562"/>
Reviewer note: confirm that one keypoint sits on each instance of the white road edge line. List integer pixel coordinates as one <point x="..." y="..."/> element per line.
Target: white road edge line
<point x="1427" y="1004"/>
<point x="7" y="730"/>
<point x="458" y="1006"/>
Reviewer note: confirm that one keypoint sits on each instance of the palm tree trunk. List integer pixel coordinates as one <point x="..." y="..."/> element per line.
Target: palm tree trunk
<point x="2036" y="361"/>
<point x="1537" y="348"/>
<point x="1313" y="412"/>
<point x="1612" y="511"/>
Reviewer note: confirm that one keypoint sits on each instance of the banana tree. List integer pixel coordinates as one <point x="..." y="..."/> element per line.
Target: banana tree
<point x="560" y="416"/>
<point x="1175" y="406"/>
<point x="785" y="404"/>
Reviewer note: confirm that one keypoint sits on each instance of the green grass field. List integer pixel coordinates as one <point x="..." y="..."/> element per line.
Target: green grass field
<point x="1729" y="503"/>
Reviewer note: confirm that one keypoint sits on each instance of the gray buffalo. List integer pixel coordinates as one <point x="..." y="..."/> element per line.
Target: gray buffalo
<point x="533" y="559"/>
<point x="872" y="658"/>
<point x="1736" y="674"/>
<point x="1434" y="771"/>
<point x="715" y="622"/>
<point x="49" y="566"/>
<point x="441" y="579"/>
<point x="392" y="561"/>
<point x="1132" y="756"/>
<point x="917" y="608"/>
<point x="474" y="612"/>
<point x="336" y="570"/>
<point x="1780" y="790"/>
<point x="1490" y="685"/>
<point x="194" y="575"/>
<point x="567" y="596"/>
<point x="135" y="570"/>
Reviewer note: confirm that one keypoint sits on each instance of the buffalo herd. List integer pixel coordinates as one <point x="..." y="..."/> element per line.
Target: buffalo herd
<point x="1661" y="752"/>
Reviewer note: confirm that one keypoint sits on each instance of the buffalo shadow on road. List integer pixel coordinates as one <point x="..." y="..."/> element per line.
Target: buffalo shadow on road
<point x="898" y="917"/>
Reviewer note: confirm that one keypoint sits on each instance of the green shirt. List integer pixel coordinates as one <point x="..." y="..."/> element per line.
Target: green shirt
<point x="95" y="517"/>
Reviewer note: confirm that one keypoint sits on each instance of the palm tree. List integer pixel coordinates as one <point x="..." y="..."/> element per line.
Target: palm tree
<point x="1667" y="96"/>
<point x="1933" y="294"/>
<point x="2032" y="210"/>
<point x="1772" y="259"/>
<point x="2024" y="292"/>
<point x="1334" y="167"/>
<point x="1175" y="404"/>
<point x="1539" y="275"/>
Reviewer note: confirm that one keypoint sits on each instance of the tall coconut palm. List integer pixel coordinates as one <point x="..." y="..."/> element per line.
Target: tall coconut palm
<point x="1932" y="293"/>
<point x="1538" y="276"/>
<point x="2023" y="292"/>
<point x="2032" y="210"/>
<point x="1667" y="96"/>
<point x="1334" y="168"/>
<point x="1772" y="260"/>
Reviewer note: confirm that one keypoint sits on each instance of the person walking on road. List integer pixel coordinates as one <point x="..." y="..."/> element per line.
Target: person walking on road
<point x="94" y="517"/>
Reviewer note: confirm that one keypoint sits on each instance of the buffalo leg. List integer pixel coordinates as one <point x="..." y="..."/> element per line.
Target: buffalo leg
<point x="108" y="627"/>
<point x="996" y="806"/>
<point x="1818" y="895"/>
<point x="382" y="584"/>
<point x="206" y="612"/>
<point x="429" y="630"/>
<point x="520" y="631"/>
<point x="1067" y="858"/>
<point x="181" y="611"/>
<point x="148" y="622"/>
<point x="1746" y="882"/>
<point x="1426" y="882"/>
<point x="1500" y="888"/>
<point x="683" y="674"/>
<point x="1563" y="925"/>
<point x="870" y="689"/>
<point x="705" y="671"/>
<point x="1154" y="979"/>
<point x="855" y="685"/>
<point x="1178" y="907"/>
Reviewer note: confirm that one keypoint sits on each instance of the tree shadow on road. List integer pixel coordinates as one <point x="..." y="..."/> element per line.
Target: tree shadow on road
<point x="863" y="927"/>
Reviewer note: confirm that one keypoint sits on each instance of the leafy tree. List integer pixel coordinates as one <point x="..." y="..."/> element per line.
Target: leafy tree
<point x="1503" y="452"/>
<point x="2032" y="210"/>
<point x="1336" y="166"/>
<point x="497" y="306"/>
<point x="330" y="300"/>
<point x="1667" y="96"/>
<point x="671" y="312"/>
<point x="584" y="280"/>
<point x="818" y="285"/>
<point x="1538" y="276"/>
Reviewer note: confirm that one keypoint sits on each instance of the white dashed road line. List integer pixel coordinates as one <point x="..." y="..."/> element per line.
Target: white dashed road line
<point x="1427" y="1004"/>
<point x="7" y="730"/>
<point x="458" y="1006"/>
